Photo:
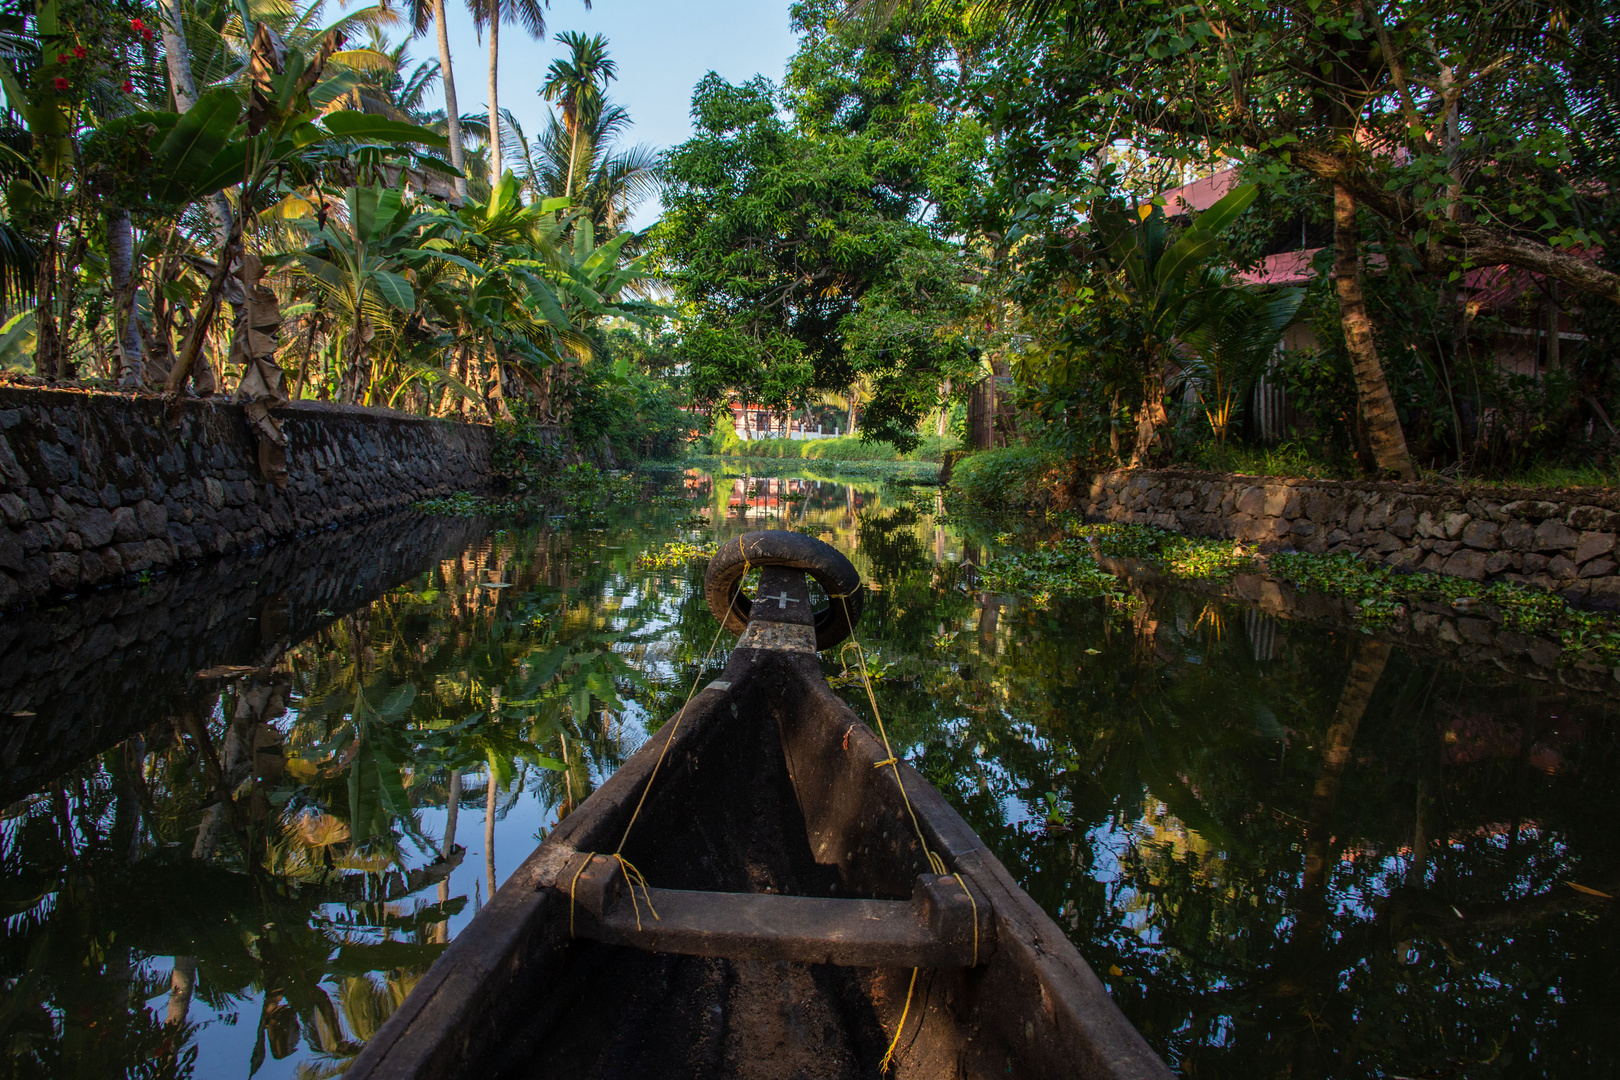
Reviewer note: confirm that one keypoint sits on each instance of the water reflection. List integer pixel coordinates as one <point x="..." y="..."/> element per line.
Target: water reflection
<point x="1288" y="849"/>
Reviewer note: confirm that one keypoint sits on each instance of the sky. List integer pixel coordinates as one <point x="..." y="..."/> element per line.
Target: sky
<point x="663" y="47"/>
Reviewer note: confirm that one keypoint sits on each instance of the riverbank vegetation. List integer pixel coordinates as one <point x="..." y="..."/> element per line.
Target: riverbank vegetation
<point x="948" y="225"/>
<point x="1080" y="561"/>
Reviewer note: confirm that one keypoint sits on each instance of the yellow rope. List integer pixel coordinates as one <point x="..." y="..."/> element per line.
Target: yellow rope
<point x="690" y="694"/>
<point x="631" y="877"/>
<point x="589" y="855"/>
<point x="934" y="861"/>
<point x="888" y="1056"/>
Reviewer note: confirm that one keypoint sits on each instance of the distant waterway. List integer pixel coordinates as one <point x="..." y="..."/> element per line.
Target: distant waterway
<point x="248" y="805"/>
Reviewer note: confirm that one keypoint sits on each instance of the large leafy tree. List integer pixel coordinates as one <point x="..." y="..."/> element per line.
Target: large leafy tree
<point x="1473" y="134"/>
<point x="825" y="248"/>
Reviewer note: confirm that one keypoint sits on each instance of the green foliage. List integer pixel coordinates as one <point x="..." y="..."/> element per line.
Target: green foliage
<point x="1294" y="458"/>
<point x="816" y="251"/>
<point x="676" y="553"/>
<point x="632" y="415"/>
<point x="1068" y="566"/>
<point x="1007" y="477"/>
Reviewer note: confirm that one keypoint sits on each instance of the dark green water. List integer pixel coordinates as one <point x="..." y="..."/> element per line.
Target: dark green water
<point x="1288" y="850"/>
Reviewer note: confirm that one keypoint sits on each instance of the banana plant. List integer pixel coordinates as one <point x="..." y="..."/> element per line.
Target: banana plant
<point x="359" y="261"/>
<point x="1158" y="276"/>
<point x="1234" y="336"/>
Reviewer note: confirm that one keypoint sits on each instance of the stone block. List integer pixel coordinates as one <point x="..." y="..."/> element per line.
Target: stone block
<point x="126" y="525"/>
<point x="1497" y="562"/>
<point x="14" y="509"/>
<point x="1388" y="543"/>
<point x="1304" y="528"/>
<point x="1407" y="558"/>
<point x="1533" y="509"/>
<point x="64" y="568"/>
<point x="1433" y="563"/>
<point x="1594" y="519"/>
<point x="1533" y="563"/>
<point x="1337" y="536"/>
<point x="1597" y="568"/>
<point x="135" y="557"/>
<point x="1604" y="593"/>
<point x="1466" y="563"/>
<point x="63" y="511"/>
<point x="12" y="554"/>
<point x="1444" y="547"/>
<point x="1428" y="526"/>
<point x="214" y="492"/>
<point x="1481" y="534"/>
<point x="1555" y="536"/>
<point x="92" y="568"/>
<point x="1561" y="567"/>
<point x="1477" y="631"/>
<point x="110" y="559"/>
<point x="96" y="527"/>
<point x="1593" y="544"/>
<point x="153" y="518"/>
<point x="1403" y="524"/>
<point x="1377" y="515"/>
<point x="1545" y="653"/>
<point x="1454" y="524"/>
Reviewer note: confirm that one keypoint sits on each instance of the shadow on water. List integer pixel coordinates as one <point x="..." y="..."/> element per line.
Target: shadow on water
<point x="1289" y="848"/>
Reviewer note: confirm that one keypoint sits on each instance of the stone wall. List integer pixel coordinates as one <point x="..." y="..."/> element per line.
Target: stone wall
<point x="97" y="487"/>
<point x="1564" y="541"/>
<point x="77" y="678"/>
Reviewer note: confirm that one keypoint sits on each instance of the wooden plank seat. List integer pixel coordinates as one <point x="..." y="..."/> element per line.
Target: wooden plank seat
<point x="934" y="929"/>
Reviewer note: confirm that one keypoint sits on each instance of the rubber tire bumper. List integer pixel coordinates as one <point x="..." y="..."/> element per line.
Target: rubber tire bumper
<point x="722" y="583"/>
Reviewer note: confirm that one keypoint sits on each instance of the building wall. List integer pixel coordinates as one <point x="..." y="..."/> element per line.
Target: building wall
<point x="97" y="487"/>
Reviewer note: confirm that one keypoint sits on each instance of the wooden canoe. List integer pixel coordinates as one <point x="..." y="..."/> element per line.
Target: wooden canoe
<point x="794" y="903"/>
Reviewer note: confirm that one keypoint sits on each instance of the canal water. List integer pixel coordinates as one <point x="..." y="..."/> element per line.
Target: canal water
<point x="245" y="806"/>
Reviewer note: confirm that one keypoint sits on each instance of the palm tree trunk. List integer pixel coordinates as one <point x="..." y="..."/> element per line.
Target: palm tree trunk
<point x="1377" y="406"/>
<point x="458" y="155"/>
<point x="489" y="831"/>
<point x="181" y="982"/>
<point x="121" y="266"/>
<point x="573" y="154"/>
<point x="495" y="163"/>
<point x="1372" y="656"/>
<point x="452" y="804"/>
<point x="177" y="55"/>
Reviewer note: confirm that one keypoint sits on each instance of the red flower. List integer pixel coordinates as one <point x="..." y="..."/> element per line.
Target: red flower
<point x="147" y="34"/>
<point x="61" y="58"/>
<point x="61" y="83"/>
<point x="78" y="50"/>
<point x="137" y="26"/>
<point x="128" y="87"/>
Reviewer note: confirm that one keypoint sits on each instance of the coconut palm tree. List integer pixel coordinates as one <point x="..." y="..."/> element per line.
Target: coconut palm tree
<point x="420" y="13"/>
<point x="613" y="182"/>
<point x="579" y="83"/>
<point x="530" y="15"/>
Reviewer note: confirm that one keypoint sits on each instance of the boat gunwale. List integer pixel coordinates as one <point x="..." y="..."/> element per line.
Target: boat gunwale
<point x="1036" y="991"/>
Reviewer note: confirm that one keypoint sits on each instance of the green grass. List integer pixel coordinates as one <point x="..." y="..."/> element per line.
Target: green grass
<point x="915" y="472"/>
<point x="1283" y="459"/>
<point x="842" y="448"/>
<point x="1562" y="476"/>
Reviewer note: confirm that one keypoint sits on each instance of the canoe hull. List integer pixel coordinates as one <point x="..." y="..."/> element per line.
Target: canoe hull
<point x="768" y="785"/>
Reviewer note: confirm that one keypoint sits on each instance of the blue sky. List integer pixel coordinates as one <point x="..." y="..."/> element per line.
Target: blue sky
<point x="663" y="47"/>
